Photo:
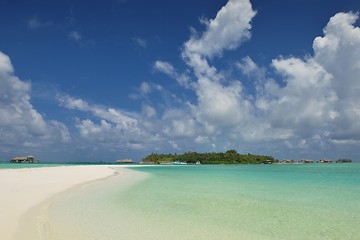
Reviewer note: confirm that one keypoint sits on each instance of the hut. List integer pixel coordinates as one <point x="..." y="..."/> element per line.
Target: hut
<point x="288" y="161"/>
<point x="325" y="161"/>
<point x="148" y="163"/>
<point x="306" y="161"/>
<point x="344" y="161"/>
<point x="124" y="161"/>
<point x="24" y="159"/>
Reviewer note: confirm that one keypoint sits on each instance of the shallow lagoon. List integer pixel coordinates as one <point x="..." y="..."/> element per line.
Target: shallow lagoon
<point x="309" y="201"/>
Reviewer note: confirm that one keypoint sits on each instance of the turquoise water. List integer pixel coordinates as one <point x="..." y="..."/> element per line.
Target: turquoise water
<point x="6" y="165"/>
<point x="309" y="201"/>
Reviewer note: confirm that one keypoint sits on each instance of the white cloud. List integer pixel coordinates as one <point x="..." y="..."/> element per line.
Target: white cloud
<point x="114" y="128"/>
<point x="201" y="139"/>
<point x="320" y="96"/>
<point x="101" y="131"/>
<point x="167" y="68"/>
<point x="20" y="123"/>
<point x="303" y="105"/>
<point x="227" y="31"/>
<point x="148" y="111"/>
<point x="310" y="101"/>
<point x="173" y="144"/>
<point x="338" y="51"/>
<point x="221" y="105"/>
<point x="247" y="66"/>
<point x="313" y="101"/>
<point x="135" y="146"/>
<point x="6" y="67"/>
<point x="73" y="103"/>
<point x="178" y="123"/>
<point x="120" y="118"/>
<point x="145" y="88"/>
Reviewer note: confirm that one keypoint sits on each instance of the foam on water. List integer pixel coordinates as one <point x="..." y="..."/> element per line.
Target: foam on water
<point x="315" y="201"/>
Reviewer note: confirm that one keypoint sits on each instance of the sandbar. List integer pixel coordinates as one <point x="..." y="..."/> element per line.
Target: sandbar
<point x="23" y="189"/>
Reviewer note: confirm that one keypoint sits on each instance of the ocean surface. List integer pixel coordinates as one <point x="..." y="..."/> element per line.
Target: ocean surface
<point x="7" y="165"/>
<point x="300" y="201"/>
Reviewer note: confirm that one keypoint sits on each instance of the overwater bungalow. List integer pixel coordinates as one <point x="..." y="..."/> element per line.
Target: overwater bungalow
<point x="180" y="163"/>
<point x="344" y="161"/>
<point x="324" y="161"/>
<point x="306" y="161"/>
<point x="124" y="161"/>
<point x="24" y="159"/>
<point x="147" y="163"/>
<point x="288" y="161"/>
<point x="193" y="162"/>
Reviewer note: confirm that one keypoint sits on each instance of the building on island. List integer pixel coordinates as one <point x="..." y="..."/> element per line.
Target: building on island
<point x="325" y="161"/>
<point x="147" y="163"/>
<point x="124" y="161"/>
<point x="306" y="161"/>
<point x="24" y="159"/>
<point x="344" y="161"/>
<point x="288" y="161"/>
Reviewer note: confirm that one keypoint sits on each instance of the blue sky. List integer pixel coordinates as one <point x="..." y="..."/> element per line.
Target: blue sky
<point x="103" y="80"/>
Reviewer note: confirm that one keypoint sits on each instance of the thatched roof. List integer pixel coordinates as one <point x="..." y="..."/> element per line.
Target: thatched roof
<point x="22" y="158"/>
<point x="124" y="161"/>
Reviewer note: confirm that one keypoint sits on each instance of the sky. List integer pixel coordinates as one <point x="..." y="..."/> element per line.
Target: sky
<point x="105" y="80"/>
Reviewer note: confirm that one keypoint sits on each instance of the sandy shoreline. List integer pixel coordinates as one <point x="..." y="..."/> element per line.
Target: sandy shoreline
<point x="23" y="189"/>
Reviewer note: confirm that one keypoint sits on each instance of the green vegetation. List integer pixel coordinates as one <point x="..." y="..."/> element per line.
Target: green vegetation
<point x="229" y="157"/>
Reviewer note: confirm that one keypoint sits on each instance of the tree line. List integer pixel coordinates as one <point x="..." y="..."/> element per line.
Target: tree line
<point x="229" y="157"/>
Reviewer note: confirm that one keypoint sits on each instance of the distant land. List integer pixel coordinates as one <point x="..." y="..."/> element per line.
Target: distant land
<point x="229" y="157"/>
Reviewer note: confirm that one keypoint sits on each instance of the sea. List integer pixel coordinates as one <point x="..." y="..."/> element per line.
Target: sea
<point x="8" y="165"/>
<point x="245" y="202"/>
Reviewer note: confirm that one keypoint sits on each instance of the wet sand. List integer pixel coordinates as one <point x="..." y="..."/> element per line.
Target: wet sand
<point x="23" y="189"/>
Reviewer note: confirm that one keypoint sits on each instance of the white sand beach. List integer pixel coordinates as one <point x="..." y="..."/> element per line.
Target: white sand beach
<point x="23" y="189"/>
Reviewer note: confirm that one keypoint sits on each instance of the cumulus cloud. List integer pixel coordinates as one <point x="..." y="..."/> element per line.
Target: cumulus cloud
<point x="219" y="105"/>
<point x="102" y="131"/>
<point x="302" y="107"/>
<point x="226" y="31"/>
<point x="168" y="69"/>
<point x="310" y="101"/>
<point x="20" y="123"/>
<point x="338" y="52"/>
<point x="122" y="119"/>
<point x="180" y="124"/>
<point x="247" y="66"/>
<point x="319" y="97"/>
<point x="115" y="128"/>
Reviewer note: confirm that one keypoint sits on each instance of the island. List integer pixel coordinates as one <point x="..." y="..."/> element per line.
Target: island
<point x="229" y="157"/>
